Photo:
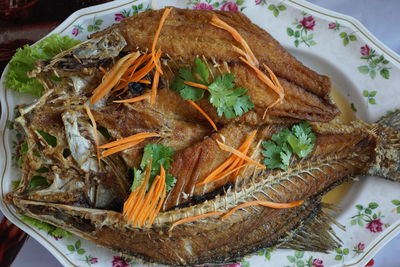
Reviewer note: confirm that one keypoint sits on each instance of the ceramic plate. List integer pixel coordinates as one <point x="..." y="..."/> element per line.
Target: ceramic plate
<point x="364" y="70"/>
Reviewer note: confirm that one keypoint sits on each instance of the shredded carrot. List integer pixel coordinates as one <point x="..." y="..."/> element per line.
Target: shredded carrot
<point x="102" y="69"/>
<point x="119" y="148"/>
<point x="145" y="206"/>
<point x="239" y="154"/>
<point x="197" y="85"/>
<point x="156" y="36"/>
<point x="144" y="81"/>
<point x="195" y="218"/>
<point x="160" y="196"/>
<point x="204" y="114"/>
<point x="160" y="203"/>
<point x="225" y="174"/>
<point x="225" y="26"/>
<point x="129" y="139"/>
<point x="133" y="100"/>
<point x="113" y="76"/>
<point x="96" y="136"/>
<point x="217" y="171"/>
<point x="245" y="148"/>
<point x="265" y="204"/>
<point x="154" y="86"/>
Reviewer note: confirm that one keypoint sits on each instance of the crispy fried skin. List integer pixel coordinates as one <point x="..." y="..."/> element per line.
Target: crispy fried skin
<point x="188" y="33"/>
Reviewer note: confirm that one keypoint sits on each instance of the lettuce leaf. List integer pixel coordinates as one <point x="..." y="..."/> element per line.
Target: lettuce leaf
<point x="22" y="62"/>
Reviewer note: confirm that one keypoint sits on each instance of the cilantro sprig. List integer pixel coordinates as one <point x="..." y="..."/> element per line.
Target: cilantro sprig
<point x="279" y="150"/>
<point x="223" y="95"/>
<point x="159" y="155"/>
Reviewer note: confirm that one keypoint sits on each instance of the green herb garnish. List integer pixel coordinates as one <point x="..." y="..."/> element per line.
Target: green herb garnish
<point x="23" y="60"/>
<point x="159" y="155"/>
<point x="50" y="229"/>
<point x="229" y="101"/>
<point x="50" y="139"/>
<point x="299" y="140"/>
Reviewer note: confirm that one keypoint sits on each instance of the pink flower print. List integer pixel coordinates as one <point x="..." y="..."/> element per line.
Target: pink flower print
<point x="230" y="6"/>
<point x="332" y="25"/>
<point x="375" y="226"/>
<point x="361" y="246"/>
<point x="93" y="260"/>
<point x="308" y="23"/>
<point x="119" y="262"/>
<point x="258" y="2"/>
<point x="365" y="50"/>
<point x="119" y="17"/>
<point x="203" y="6"/>
<point x="317" y="263"/>
<point x="75" y="31"/>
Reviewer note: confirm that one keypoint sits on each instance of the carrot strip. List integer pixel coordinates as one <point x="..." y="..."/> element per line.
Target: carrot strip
<point x="217" y="171"/>
<point x="144" y="81"/>
<point x="195" y="218"/>
<point x="244" y="148"/>
<point x="204" y="114"/>
<point x="96" y="136"/>
<point x="225" y="26"/>
<point x="197" y="85"/>
<point x="119" y="148"/>
<point x="153" y="215"/>
<point x="113" y="76"/>
<point x="225" y="174"/>
<point x="145" y="206"/>
<point x="154" y="200"/>
<point x="154" y="86"/>
<point x="265" y="204"/>
<point x="139" y="200"/>
<point x="156" y="36"/>
<point x="131" y="138"/>
<point x="239" y="154"/>
<point x="134" y="99"/>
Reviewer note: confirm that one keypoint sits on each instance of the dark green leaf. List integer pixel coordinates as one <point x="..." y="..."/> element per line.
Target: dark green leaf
<point x="299" y="254"/>
<point x="140" y="6"/>
<point x="70" y="248"/>
<point x="363" y="69"/>
<point x="282" y="7"/>
<point x="104" y="132"/>
<point x="338" y="250"/>
<point x="300" y="263"/>
<point x="187" y="92"/>
<point x="373" y="205"/>
<point x="10" y="125"/>
<point x="343" y="34"/>
<point x="291" y="259"/>
<point x="90" y="28"/>
<point x="43" y="170"/>
<point x="385" y="61"/>
<point x="372" y="74"/>
<point x="372" y="101"/>
<point x="297" y="34"/>
<point x="66" y="153"/>
<point x="338" y="257"/>
<point x="385" y="73"/>
<point x="372" y="94"/>
<point x="98" y="22"/>
<point x="24" y="148"/>
<point x="396" y="202"/>
<point x="296" y="43"/>
<point x="374" y="216"/>
<point x="346" y="251"/>
<point x="78" y="244"/>
<point x="276" y="13"/>
<point x="272" y="7"/>
<point x="352" y="37"/>
<point x="15" y="184"/>
<point x="135" y="8"/>
<point x="345" y="41"/>
<point x="50" y="139"/>
<point x="138" y="177"/>
<point x="290" y="31"/>
<point x="368" y="211"/>
<point x="365" y="93"/>
<point x="37" y="181"/>
<point x="239" y="2"/>
<point x="81" y="251"/>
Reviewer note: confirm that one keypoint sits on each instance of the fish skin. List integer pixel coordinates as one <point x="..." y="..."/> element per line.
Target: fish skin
<point x="340" y="151"/>
<point x="187" y="34"/>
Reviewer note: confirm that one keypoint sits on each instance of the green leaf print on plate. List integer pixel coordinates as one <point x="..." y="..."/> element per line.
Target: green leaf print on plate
<point x="370" y="95"/>
<point x="302" y="31"/>
<point x="374" y="63"/>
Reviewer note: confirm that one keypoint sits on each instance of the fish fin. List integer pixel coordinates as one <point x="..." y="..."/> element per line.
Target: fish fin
<point x="316" y="233"/>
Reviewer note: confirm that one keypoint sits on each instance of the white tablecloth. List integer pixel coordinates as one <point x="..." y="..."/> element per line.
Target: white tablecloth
<point x="382" y="18"/>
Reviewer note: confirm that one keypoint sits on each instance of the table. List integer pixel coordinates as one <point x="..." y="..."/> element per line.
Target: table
<point x="381" y="18"/>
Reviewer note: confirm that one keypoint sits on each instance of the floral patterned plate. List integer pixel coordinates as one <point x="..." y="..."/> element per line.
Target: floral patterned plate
<point x="365" y="71"/>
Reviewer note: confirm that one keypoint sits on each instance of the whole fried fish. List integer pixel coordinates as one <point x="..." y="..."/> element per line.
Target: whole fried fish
<point x="85" y="195"/>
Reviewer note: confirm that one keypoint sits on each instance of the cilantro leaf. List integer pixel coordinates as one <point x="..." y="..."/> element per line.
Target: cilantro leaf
<point x="138" y="177"/>
<point x="24" y="58"/>
<point x="303" y="139"/>
<point x="185" y="74"/>
<point x="229" y="102"/>
<point x="200" y="69"/>
<point x="160" y="155"/>
<point x="278" y="151"/>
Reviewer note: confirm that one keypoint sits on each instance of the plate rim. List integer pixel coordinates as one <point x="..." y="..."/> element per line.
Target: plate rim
<point x="377" y="244"/>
